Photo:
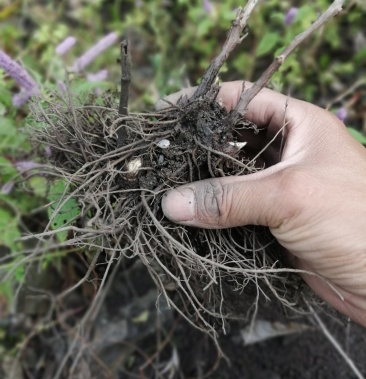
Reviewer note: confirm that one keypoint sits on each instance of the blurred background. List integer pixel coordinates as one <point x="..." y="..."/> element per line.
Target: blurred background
<point x="171" y="44"/>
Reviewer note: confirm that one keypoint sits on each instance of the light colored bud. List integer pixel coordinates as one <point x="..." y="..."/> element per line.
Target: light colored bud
<point x="238" y="145"/>
<point x="163" y="144"/>
<point x="134" y="165"/>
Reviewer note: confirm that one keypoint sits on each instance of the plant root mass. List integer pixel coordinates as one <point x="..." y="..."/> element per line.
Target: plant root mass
<point x="118" y="167"/>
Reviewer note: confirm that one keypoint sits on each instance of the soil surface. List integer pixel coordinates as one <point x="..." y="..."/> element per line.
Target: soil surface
<point x="131" y="338"/>
<point x="304" y="355"/>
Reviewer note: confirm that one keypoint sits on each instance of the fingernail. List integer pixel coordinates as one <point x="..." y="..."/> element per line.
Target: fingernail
<point x="179" y="205"/>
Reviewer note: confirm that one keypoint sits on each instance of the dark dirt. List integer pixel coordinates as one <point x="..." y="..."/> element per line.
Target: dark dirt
<point x="304" y="355"/>
<point x="131" y="338"/>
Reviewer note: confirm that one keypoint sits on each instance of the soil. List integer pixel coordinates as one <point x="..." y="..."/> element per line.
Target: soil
<point x="132" y="338"/>
<point x="304" y="355"/>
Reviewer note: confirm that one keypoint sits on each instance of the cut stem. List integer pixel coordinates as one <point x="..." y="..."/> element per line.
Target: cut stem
<point x="125" y="88"/>
<point x="247" y="96"/>
<point x="233" y="39"/>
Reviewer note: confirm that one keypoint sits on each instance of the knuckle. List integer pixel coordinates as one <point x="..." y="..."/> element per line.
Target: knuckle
<point x="214" y="204"/>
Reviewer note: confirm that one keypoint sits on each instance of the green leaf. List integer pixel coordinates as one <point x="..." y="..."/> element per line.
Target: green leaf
<point x="5" y="97"/>
<point x="19" y="273"/>
<point x="6" y="168"/>
<point x="357" y="135"/>
<point x="2" y="109"/>
<point x="38" y="185"/>
<point x="360" y="57"/>
<point x="6" y="292"/>
<point x="10" y="137"/>
<point x="203" y="27"/>
<point x="277" y="17"/>
<point x="7" y="127"/>
<point x="9" y="231"/>
<point x="306" y="13"/>
<point x="141" y="318"/>
<point x="79" y="87"/>
<point x="268" y="43"/>
<point x="68" y="211"/>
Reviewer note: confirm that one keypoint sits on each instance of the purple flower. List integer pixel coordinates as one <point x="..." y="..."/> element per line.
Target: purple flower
<point x="290" y="15"/>
<point x="64" y="46"/>
<point x="207" y="6"/>
<point x="341" y="113"/>
<point x="48" y="151"/>
<point x="17" y="72"/>
<point x="98" y="76"/>
<point x="21" y="98"/>
<point x="23" y="166"/>
<point x="7" y="188"/>
<point x="61" y="86"/>
<point x="93" y="52"/>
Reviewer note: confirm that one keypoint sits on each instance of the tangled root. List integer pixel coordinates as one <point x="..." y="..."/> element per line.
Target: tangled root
<point x="117" y="169"/>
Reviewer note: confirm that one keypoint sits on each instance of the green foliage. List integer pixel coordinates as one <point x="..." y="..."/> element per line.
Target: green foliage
<point x="62" y="210"/>
<point x="268" y="43"/>
<point x="8" y="229"/>
<point x="358" y="136"/>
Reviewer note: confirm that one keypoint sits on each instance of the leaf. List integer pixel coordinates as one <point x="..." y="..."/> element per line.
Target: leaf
<point x="9" y="231"/>
<point x="7" y="127"/>
<point x="360" y="57"/>
<point x="68" y="211"/>
<point x="6" y="293"/>
<point x="38" y="185"/>
<point x="141" y="318"/>
<point x="85" y="88"/>
<point x="10" y="139"/>
<point x="268" y="43"/>
<point x="203" y="27"/>
<point x="2" y="109"/>
<point x="19" y="273"/>
<point x="277" y="17"/>
<point x="5" y="97"/>
<point x="6" y="168"/>
<point x="357" y="135"/>
<point x="306" y="13"/>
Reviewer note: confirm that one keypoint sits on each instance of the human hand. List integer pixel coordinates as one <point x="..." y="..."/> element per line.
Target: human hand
<point x="312" y="197"/>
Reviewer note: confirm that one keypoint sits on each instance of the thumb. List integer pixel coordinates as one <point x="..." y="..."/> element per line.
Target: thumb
<point x="264" y="198"/>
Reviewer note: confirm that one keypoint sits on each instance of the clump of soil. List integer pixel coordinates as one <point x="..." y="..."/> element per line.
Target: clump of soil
<point x="118" y="167"/>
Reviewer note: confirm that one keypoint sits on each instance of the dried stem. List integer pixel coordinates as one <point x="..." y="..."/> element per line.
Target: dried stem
<point x="233" y="39"/>
<point x="247" y="96"/>
<point x="125" y="86"/>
